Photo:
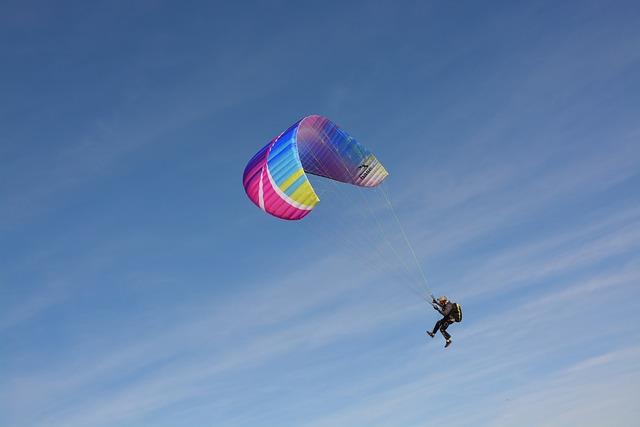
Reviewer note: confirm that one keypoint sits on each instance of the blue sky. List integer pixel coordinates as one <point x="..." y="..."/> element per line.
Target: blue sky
<point x="140" y="287"/>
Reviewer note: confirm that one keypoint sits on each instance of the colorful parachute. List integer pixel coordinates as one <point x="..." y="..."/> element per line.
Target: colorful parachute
<point x="275" y="178"/>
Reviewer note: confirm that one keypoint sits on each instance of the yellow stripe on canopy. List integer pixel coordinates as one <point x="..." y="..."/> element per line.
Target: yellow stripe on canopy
<point x="305" y="194"/>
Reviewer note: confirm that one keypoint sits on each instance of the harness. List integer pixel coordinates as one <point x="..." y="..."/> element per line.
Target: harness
<point x="456" y="313"/>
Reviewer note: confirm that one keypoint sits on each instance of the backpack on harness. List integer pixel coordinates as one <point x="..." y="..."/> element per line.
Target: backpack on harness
<point x="456" y="313"/>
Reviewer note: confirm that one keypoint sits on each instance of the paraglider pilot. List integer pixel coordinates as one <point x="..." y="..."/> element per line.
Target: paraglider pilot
<point x="451" y="312"/>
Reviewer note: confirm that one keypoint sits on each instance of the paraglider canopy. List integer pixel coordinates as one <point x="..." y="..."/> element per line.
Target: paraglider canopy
<point x="275" y="179"/>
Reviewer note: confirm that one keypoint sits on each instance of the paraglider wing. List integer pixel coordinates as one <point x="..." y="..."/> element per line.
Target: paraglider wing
<point x="275" y="178"/>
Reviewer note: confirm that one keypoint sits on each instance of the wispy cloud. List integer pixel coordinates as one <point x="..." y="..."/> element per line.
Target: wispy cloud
<point x="593" y="392"/>
<point x="31" y="307"/>
<point x="202" y="347"/>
